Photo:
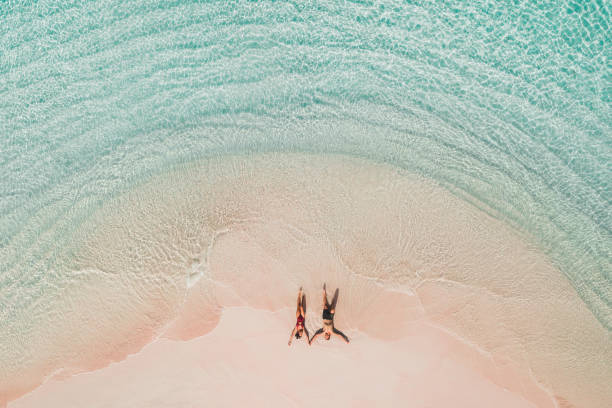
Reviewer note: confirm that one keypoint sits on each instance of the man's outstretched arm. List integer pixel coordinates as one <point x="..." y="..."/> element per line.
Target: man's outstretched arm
<point x="340" y="334"/>
<point x="314" y="336"/>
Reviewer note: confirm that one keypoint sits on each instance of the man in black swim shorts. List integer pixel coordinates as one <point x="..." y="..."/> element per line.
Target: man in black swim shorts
<point x="328" y="319"/>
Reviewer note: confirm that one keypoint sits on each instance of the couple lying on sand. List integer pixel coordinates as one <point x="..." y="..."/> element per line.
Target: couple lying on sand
<point x="328" y="319"/>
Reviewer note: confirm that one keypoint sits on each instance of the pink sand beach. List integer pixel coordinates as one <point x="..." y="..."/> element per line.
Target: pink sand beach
<point x="245" y="361"/>
<point x="185" y="293"/>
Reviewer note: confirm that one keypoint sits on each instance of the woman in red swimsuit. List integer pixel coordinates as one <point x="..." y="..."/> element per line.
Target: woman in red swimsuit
<point x="300" y="314"/>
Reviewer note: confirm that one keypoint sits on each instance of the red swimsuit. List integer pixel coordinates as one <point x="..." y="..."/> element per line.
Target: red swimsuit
<point x="300" y="321"/>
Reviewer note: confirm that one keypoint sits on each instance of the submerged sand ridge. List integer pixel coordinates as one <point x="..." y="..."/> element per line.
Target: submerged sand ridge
<point x="411" y="261"/>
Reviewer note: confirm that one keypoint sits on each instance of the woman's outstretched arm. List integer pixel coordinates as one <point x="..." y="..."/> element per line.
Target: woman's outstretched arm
<point x="291" y="336"/>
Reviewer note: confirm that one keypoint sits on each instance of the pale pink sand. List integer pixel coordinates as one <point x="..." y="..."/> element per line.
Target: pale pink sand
<point x="245" y="361"/>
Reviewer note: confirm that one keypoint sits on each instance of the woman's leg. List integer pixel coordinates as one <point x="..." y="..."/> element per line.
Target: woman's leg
<point x="299" y="304"/>
<point x="303" y="305"/>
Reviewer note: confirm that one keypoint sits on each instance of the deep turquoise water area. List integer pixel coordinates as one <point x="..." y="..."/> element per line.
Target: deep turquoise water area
<point x="507" y="104"/>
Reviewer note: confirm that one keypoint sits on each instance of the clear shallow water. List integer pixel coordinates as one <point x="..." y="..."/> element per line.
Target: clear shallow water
<point x="506" y="105"/>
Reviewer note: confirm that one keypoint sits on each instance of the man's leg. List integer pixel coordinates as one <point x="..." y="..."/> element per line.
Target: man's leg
<point x="334" y="301"/>
<point x="325" y="304"/>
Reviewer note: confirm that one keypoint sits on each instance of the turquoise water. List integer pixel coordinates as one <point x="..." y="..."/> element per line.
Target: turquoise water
<point x="506" y="104"/>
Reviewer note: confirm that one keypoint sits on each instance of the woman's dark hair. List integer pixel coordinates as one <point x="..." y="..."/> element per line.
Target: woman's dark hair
<point x="297" y="335"/>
